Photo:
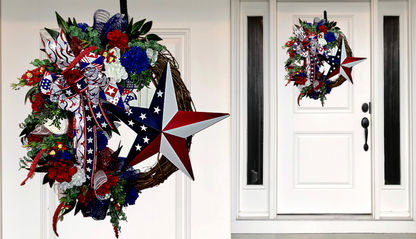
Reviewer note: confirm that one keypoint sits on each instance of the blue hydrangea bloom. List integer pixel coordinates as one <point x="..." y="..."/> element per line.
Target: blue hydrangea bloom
<point x="83" y="26"/>
<point x="102" y="140"/>
<point x="328" y="89"/>
<point x="321" y="22"/>
<point x="131" y="195"/>
<point x="62" y="155"/>
<point x="314" y="95"/>
<point x="135" y="60"/>
<point x="328" y="86"/>
<point x="330" y="37"/>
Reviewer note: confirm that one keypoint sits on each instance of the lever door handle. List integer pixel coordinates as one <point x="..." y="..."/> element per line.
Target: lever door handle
<point x="365" y="123"/>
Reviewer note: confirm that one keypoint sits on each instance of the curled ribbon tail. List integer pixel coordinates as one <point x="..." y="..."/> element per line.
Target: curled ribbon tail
<point x="33" y="166"/>
<point x="55" y="218"/>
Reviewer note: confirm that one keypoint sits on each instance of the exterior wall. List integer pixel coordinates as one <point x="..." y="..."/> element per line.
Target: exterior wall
<point x="155" y="213"/>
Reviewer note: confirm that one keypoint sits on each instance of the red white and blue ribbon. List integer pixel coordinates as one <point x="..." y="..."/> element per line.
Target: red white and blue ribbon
<point x="309" y="49"/>
<point x="82" y="97"/>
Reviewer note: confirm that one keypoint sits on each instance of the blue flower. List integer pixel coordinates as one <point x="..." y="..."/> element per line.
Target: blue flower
<point x="319" y="22"/>
<point x="135" y="60"/>
<point x="131" y="195"/>
<point x="330" y="37"/>
<point x="102" y="140"/>
<point x="314" y="95"/>
<point x="83" y="26"/>
<point x="62" y="155"/>
<point x="328" y="89"/>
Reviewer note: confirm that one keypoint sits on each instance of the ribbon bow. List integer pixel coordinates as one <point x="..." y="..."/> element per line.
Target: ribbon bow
<point x="309" y="48"/>
<point x="77" y="90"/>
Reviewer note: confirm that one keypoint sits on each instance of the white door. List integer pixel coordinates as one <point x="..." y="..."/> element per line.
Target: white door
<point x="322" y="166"/>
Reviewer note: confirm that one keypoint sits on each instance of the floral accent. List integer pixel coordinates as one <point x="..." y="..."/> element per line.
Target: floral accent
<point x="105" y="188"/>
<point x="102" y="141"/>
<point x="61" y="171"/>
<point x="34" y="76"/>
<point x="83" y="26"/>
<point x="113" y="68"/>
<point x="117" y="39"/>
<point x="77" y="180"/>
<point x="152" y="55"/>
<point x="132" y="195"/>
<point x="330" y="37"/>
<point x="323" y="29"/>
<point x="34" y="138"/>
<point x="321" y="39"/>
<point x="37" y="102"/>
<point x="135" y="61"/>
<point x="72" y="76"/>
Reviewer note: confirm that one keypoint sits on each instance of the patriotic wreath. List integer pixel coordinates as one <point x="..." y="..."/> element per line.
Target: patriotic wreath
<point x="79" y="96"/>
<point x="319" y="58"/>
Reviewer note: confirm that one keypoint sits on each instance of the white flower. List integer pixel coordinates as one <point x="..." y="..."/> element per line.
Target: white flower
<point x="63" y="123"/>
<point x="152" y="56"/>
<point x="114" y="70"/>
<point x="321" y="39"/>
<point x="77" y="180"/>
<point x="116" y="52"/>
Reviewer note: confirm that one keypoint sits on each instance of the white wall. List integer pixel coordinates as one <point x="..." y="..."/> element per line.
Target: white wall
<point x="153" y="216"/>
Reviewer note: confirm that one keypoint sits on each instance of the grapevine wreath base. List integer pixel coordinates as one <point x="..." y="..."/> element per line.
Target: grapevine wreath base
<point x="81" y="93"/>
<point x="164" y="168"/>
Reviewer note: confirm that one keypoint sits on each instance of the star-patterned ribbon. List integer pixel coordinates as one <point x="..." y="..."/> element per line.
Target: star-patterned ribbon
<point x="82" y="97"/>
<point x="309" y="49"/>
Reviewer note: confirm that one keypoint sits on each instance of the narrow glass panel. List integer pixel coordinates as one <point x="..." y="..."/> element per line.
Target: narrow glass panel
<point x="255" y="101"/>
<point x="391" y="100"/>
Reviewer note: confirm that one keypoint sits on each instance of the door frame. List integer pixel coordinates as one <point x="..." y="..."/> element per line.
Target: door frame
<point x="253" y="208"/>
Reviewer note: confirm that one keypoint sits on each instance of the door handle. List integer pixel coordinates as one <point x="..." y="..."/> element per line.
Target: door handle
<point x="365" y="123"/>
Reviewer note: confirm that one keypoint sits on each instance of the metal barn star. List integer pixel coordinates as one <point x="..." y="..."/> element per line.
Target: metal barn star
<point x="163" y="128"/>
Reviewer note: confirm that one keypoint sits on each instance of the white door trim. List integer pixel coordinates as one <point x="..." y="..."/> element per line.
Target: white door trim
<point x="265" y="220"/>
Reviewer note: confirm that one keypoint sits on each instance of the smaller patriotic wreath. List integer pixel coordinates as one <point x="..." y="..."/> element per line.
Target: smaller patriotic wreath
<point x="320" y="59"/>
<point x="79" y="96"/>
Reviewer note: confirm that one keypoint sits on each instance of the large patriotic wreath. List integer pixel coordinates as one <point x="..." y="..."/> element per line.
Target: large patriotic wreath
<point x="80" y="94"/>
<point x="319" y="58"/>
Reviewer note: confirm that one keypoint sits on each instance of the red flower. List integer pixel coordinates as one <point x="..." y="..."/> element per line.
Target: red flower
<point x="118" y="39"/>
<point x="301" y="80"/>
<point x="72" y="75"/>
<point x="37" y="102"/>
<point x="34" y="138"/>
<point x="60" y="146"/>
<point x="323" y="29"/>
<point x="105" y="188"/>
<point x="62" y="172"/>
<point x="76" y="45"/>
<point x="88" y="196"/>
<point x="289" y="43"/>
<point x="292" y="53"/>
<point x="34" y="76"/>
<point x="319" y="85"/>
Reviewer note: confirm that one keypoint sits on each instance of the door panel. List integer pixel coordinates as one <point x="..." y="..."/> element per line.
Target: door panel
<point x="322" y="167"/>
